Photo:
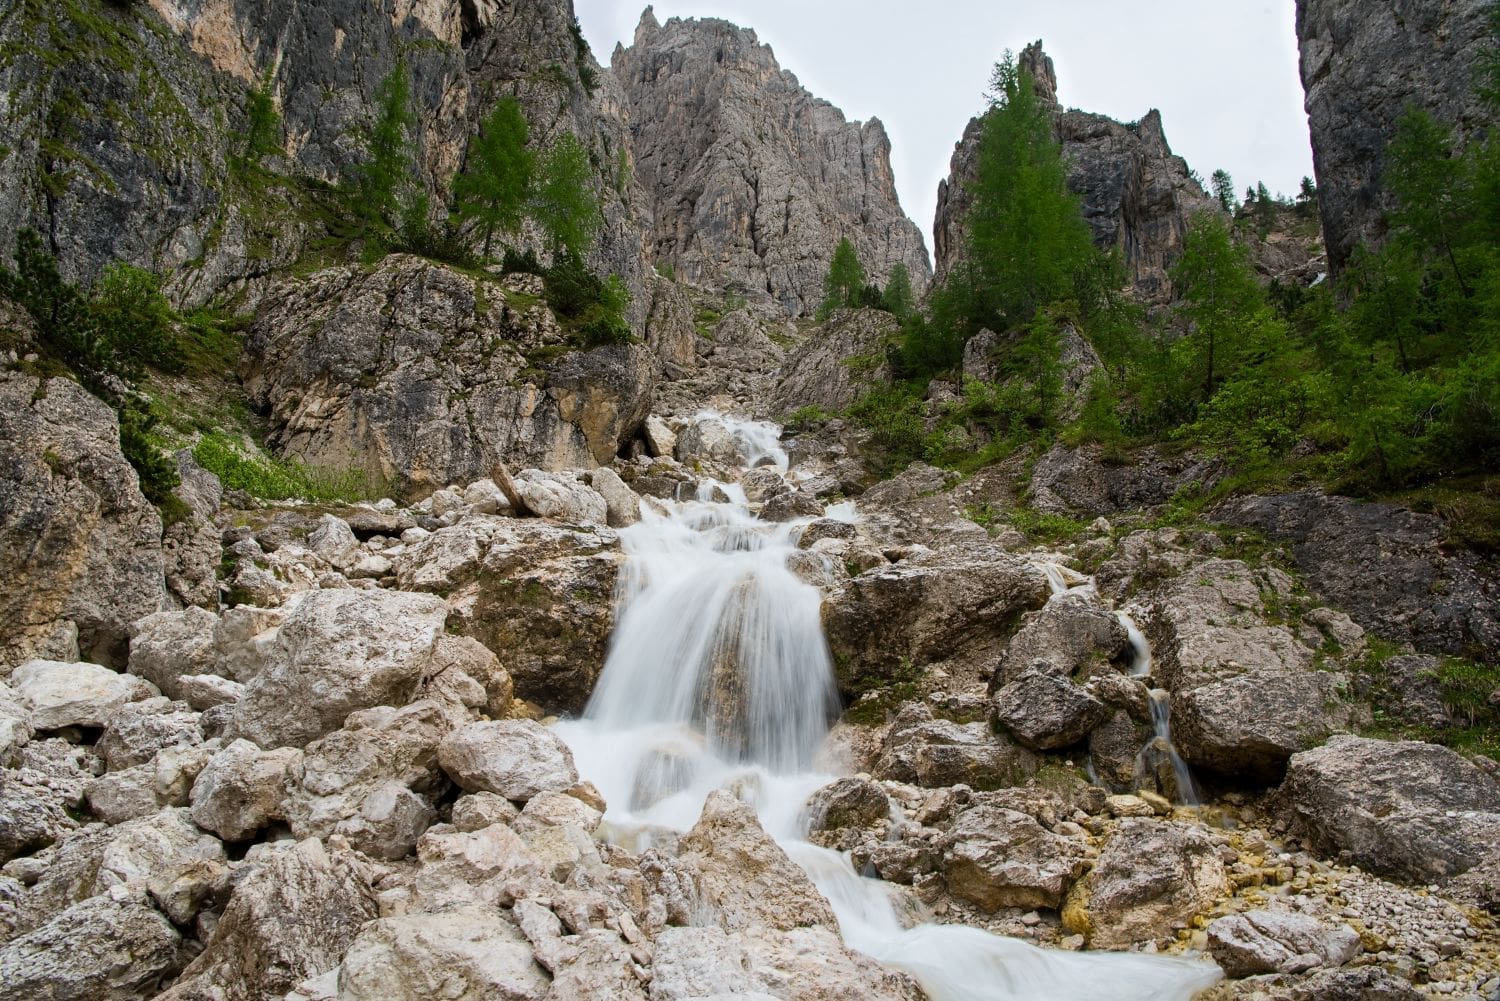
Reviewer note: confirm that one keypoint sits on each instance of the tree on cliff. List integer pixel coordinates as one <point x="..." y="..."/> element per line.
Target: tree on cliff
<point x="1223" y="186"/>
<point x="386" y="174"/>
<point x="844" y="286"/>
<point x="496" y="181"/>
<point x="563" y="200"/>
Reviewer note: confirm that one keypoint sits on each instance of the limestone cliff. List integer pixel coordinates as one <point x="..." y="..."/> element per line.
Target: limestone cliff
<point x="1137" y="196"/>
<point x="751" y="180"/>
<point x="1363" y="64"/>
<point x="119" y="139"/>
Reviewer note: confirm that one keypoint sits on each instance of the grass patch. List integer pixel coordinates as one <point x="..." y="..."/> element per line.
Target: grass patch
<point x="268" y="478"/>
<point x="1051" y="529"/>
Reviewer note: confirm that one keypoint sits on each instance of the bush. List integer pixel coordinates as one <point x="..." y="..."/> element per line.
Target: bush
<point x="158" y="474"/>
<point x="595" y="306"/>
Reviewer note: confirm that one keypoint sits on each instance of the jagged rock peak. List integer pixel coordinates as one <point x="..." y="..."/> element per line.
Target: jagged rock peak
<point x="1137" y="195"/>
<point x="1362" y="65"/>
<point x="752" y="181"/>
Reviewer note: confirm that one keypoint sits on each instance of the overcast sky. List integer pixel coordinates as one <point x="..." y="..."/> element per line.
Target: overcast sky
<point x="1223" y="72"/>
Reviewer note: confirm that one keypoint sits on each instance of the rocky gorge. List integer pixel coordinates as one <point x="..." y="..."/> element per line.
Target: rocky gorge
<point x="626" y="681"/>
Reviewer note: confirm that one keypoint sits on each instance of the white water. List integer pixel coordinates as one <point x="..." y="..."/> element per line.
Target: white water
<point x="719" y="677"/>
<point x="1161" y="749"/>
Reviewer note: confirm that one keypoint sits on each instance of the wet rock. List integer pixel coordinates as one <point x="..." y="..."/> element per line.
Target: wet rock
<point x="847" y="803"/>
<point x="1003" y="858"/>
<point x="338" y="652"/>
<point x="1399" y="808"/>
<point x="102" y="949"/>
<point x="167" y="647"/>
<point x="958" y="607"/>
<point x="241" y="789"/>
<point x="61" y="695"/>
<point x="293" y="916"/>
<point x="937" y="752"/>
<point x="517" y="759"/>
<point x="80" y="546"/>
<point x="1045" y="711"/>
<point x="743" y="876"/>
<point x="466" y="955"/>
<point x="1151" y="875"/>
<point x="1073" y="635"/>
<point x="1266" y="941"/>
<point x="790" y="506"/>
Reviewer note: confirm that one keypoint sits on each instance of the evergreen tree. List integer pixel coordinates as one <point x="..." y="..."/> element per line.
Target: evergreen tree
<point x="898" y="298"/>
<point x="496" y="181"/>
<point x="1029" y="243"/>
<point x="1221" y="297"/>
<point x="388" y="169"/>
<point x="1223" y="187"/>
<point x="845" y="282"/>
<point x="1432" y="190"/>
<point x="563" y="201"/>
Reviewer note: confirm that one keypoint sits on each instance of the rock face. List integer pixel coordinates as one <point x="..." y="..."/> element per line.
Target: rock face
<point x="160" y="190"/>
<point x="80" y="547"/>
<point x="1439" y="601"/>
<point x="1400" y="808"/>
<point x="1137" y="196"/>
<point x="836" y="366"/>
<point x="1362" y="65"/>
<point x="751" y="181"/>
<point x="423" y="373"/>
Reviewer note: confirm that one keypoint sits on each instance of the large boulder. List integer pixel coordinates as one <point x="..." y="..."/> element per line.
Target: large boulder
<point x="997" y="858"/>
<point x="1073" y="634"/>
<point x="62" y="695"/>
<point x="1277" y="941"/>
<point x="168" y="646"/>
<point x="544" y="597"/>
<point x="932" y="752"/>
<point x="419" y="373"/>
<point x="291" y="917"/>
<point x="957" y="607"/>
<point x="240" y="790"/>
<point x="1045" y="711"/>
<point x="517" y="759"/>
<point x="465" y="955"/>
<point x="103" y="949"/>
<point x="743" y="877"/>
<point x="80" y="546"/>
<point x="1403" y="809"/>
<point x="338" y="652"/>
<point x="1152" y="877"/>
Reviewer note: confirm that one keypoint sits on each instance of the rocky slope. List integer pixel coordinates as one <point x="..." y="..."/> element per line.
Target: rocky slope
<point x="752" y="181"/>
<point x="1137" y="196"/>
<point x="1362" y="65"/>
<point x="124" y="148"/>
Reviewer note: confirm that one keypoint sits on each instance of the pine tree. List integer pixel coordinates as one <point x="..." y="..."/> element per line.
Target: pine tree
<point x="1028" y="240"/>
<point x="563" y="202"/>
<point x="1223" y="187"/>
<point x="496" y="181"/>
<point x="898" y="298"/>
<point x="1220" y="296"/>
<point x="845" y="281"/>
<point x="387" y="172"/>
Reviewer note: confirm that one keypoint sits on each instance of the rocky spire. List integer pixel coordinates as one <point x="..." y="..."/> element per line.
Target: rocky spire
<point x="1137" y="196"/>
<point x="751" y="180"/>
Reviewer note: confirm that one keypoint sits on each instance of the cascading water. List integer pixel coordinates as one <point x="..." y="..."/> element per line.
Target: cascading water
<point x="719" y="676"/>
<point x="1159" y="763"/>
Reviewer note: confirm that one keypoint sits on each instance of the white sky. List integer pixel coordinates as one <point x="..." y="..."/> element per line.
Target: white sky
<point x="1223" y="72"/>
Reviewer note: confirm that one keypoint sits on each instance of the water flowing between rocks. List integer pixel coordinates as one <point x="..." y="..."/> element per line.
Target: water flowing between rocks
<point x="719" y="676"/>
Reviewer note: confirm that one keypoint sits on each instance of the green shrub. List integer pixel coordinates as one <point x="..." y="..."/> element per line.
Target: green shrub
<point x="269" y="478"/>
<point x="593" y="307"/>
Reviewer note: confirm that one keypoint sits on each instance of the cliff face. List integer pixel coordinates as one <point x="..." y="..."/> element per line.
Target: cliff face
<point x="752" y="182"/>
<point x="1137" y="196"/>
<point x="121" y="136"/>
<point x="1362" y="65"/>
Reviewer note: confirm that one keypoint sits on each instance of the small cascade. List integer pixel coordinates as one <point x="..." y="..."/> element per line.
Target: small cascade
<point x="719" y="677"/>
<point x="1140" y="661"/>
<point x="1159" y="765"/>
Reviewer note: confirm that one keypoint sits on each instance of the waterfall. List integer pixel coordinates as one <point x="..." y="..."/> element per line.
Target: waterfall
<point x="719" y="676"/>
<point x="1159" y="764"/>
